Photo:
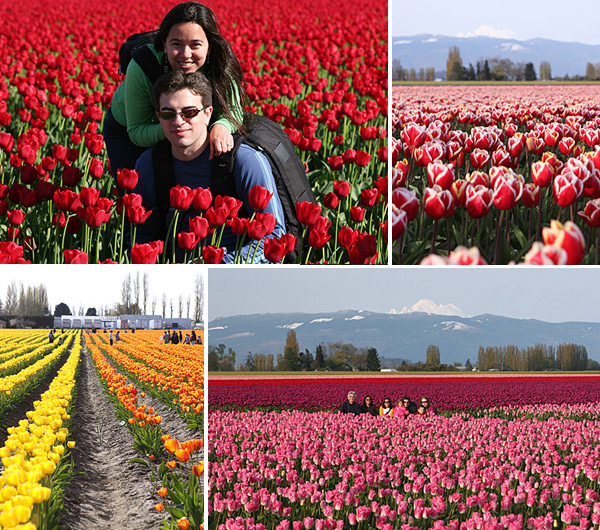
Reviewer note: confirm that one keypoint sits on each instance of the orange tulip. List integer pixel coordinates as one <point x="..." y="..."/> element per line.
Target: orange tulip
<point x="159" y="507"/>
<point x="183" y="524"/>
<point x="171" y="445"/>
<point x="183" y="455"/>
<point x="162" y="492"/>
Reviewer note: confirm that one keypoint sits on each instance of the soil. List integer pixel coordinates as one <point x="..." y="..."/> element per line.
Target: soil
<point x="109" y="493"/>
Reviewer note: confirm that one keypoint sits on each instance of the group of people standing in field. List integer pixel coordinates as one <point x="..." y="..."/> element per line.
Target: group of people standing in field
<point x="404" y="407"/>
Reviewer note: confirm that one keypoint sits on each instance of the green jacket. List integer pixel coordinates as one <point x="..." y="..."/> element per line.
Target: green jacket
<point x="133" y="107"/>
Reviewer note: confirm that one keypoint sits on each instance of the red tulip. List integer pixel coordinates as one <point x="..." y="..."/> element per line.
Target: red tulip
<point x="259" y="197"/>
<point x="479" y="200"/>
<point x="331" y="200"/>
<point x="568" y="237"/>
<point x="438" y="203"/>
<point x="591" y="213"/>
<point x="357" y="213"/>
<point x="127" y="179"/>
<point x="89" y="196"/>
<point x="531" y="195"/>
<point x="440" y="174"/>
<point x="16" y="217"/>
<point x="138" y="214"/>
<point x="341" y="188"/>
<point x="274" y="250"/>
<point x="307" y="212"/>
<point x="567" y="188"/>
<point x="75" y="257"/>
<point x="507" y="190"/>
<point x="200" y="226"/>
<point x="145" y="254"/>
<point x="202" y="199"/>
<point x="187" y="240"/>
<point x="181" y="197"/>
<point x="369" y="197"/>
<point x="212" y="255"/>
<point x="347" y="236"/>
<point x="71" y="176"/>
<point x="545" y="255"/>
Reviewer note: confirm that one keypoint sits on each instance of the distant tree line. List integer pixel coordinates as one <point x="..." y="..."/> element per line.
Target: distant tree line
<point x="569" y="357"/>
<point x="31" y="301"/>
<point x="335" y="356"/>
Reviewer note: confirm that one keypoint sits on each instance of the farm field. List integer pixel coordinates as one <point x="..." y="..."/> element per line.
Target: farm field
<point x="100" y="436"/>
<point x="503" y="452"/>
<point x="496" y="174"/>
<point x="306" y="67"/>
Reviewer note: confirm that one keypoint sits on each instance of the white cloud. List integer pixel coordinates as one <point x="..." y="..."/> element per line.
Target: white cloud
<point x="403" y="42"/>
<point x="355" y="318"/>
<point x="321" y="320"/>
<point x="431" y="40"/>
<point x="291" y="326"/>
<point x="217" y="327"/>
<point x="489" y="31"/>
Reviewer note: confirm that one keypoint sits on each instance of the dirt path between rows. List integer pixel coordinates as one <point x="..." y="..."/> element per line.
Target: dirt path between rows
<point x="110" y="493"/>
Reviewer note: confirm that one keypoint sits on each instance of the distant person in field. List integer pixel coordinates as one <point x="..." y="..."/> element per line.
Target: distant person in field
<point x="386" y="408"/>
<point x="110" y="338"/>
<point x="368" y="407"/>
<point x="429" y="408"/>
<point x="350" y="405"/>
<point x="409" y="405"/>
<point x="400" y="410"/>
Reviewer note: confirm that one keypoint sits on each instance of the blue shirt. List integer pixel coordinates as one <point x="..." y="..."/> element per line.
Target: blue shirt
<point x="250" y="168"/>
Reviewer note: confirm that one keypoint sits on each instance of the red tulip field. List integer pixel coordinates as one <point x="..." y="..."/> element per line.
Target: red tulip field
<point x="502" y="452"/>
<point x="496" y="174"/>
<point x="319" y="69"/>
<point x="100" y="436"/>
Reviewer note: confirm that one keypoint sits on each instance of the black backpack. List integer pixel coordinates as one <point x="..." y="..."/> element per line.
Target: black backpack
<point x="265" y="136"/>
<point x="136" y="47"/>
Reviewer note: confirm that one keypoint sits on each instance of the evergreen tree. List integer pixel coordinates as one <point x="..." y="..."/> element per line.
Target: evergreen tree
<point x="373" y="364"/>
<point x="62" y="309"/>
<point x="249" y="364"/>
<point x="530" y="72"/>
<point x="91" y="312"/>
<point x="319" y="358"/>
<point x="468" y="366"/>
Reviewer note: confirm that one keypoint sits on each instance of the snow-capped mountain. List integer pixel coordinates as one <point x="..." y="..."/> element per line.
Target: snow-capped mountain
<point x="431" y="308"/>
<point x="395" y="335"/>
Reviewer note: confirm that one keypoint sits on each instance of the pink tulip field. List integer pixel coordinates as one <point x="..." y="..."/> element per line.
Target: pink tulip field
<point x="478" y="465"/>
<point x="496" y="174"/>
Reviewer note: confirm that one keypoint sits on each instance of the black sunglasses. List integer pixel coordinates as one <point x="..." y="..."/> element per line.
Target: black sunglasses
<point x="188" y="113"/>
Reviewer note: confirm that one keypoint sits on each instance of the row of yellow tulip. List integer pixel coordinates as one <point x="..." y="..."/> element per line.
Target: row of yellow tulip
<point x="33" y="451"/>
<point x="10" y="346"/>
<point x="8" y="383"/>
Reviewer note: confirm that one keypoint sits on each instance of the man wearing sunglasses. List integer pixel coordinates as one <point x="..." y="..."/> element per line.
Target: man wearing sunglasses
<point x="184" y="104"/>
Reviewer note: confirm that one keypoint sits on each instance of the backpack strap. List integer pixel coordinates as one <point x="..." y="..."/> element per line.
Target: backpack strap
<point x="164" y="180"/>
<point x="148" y="63"/>
<point x="222" y="181"/>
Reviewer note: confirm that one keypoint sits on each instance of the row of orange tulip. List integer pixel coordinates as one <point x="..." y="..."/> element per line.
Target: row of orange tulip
<point x="181" y="476"/>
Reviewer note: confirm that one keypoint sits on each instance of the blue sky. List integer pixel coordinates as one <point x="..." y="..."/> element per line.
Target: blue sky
<point x="575" y="20"/>
<point x="550" y="294"/>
